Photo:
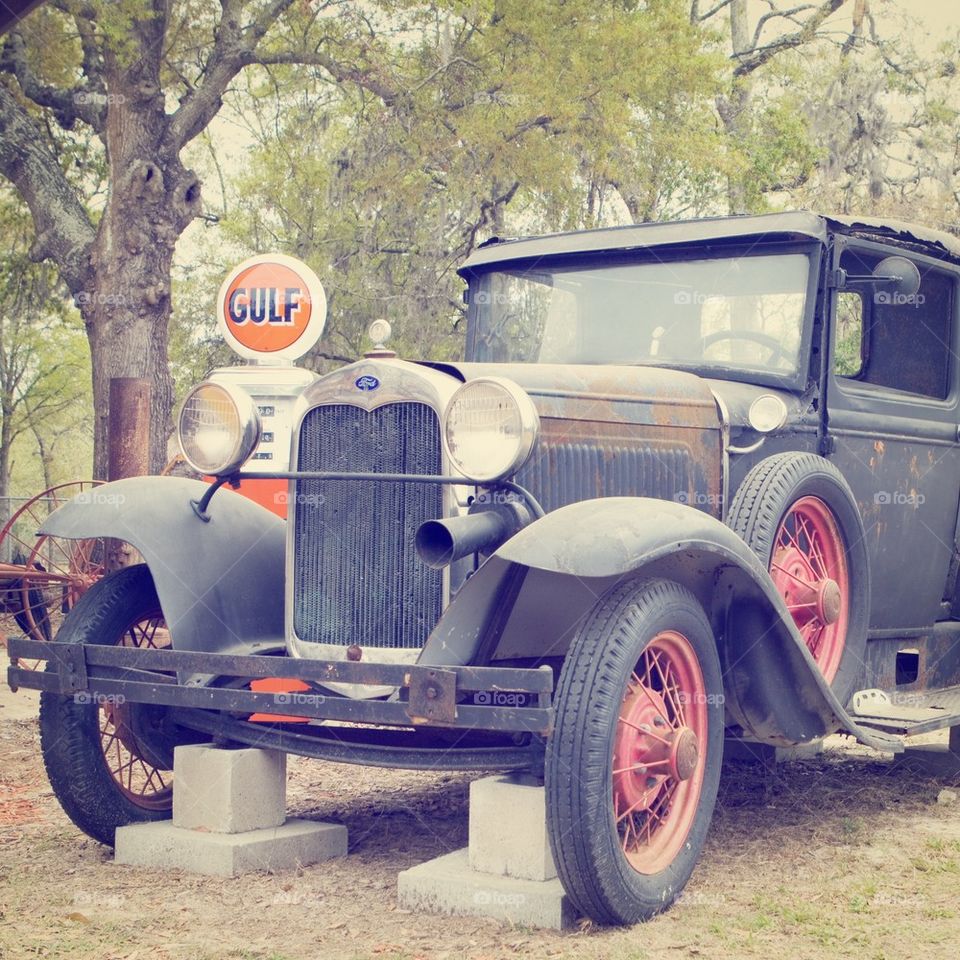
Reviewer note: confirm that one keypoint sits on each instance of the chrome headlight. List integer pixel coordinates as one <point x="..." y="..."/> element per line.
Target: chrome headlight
<point x="489" y="429"/>
<point x="218" y="428"/>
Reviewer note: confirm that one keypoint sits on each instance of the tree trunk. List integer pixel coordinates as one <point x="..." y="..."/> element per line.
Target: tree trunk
<point x="126" y="307"/>
<point x="733" y="108"/>
<point x="6" y="440"/>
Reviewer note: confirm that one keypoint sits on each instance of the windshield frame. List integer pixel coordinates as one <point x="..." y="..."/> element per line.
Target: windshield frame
<point x="794" y="380"/>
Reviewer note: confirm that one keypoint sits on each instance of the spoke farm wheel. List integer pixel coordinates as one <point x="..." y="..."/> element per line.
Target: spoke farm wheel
<point x="109" y="762"/>
<point x="54" y="573"/>
<point x="799" y="516"/>
<point x="633" y="763"/>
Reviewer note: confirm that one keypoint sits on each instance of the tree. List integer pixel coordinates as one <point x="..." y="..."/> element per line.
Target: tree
<point x="498" y="117"/>
<point x="144" y="78"/>
<point x="42" y="371"/>
<point x="770" y="131"/>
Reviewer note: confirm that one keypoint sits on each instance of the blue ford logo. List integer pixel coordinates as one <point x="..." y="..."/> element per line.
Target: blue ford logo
<point x="366" y="383"/>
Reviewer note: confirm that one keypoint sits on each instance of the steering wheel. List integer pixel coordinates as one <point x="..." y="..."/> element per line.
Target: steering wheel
<point x="771" y="343"/>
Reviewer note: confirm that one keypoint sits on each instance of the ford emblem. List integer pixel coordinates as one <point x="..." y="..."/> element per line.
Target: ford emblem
<point x="366" y="383"/>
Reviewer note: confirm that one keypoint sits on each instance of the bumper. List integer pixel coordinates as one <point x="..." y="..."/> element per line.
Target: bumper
<point x="498" y="699"/>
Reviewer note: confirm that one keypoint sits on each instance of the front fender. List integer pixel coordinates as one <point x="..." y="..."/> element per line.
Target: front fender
<point x="220" y="583"/>
<point x="528" y="599"/>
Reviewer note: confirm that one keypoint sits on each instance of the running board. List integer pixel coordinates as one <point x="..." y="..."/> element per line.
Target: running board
<point x="907" y="714"/>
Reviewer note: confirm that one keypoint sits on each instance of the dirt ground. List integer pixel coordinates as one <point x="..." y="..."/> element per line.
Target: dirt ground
<point x="838" y="856"/>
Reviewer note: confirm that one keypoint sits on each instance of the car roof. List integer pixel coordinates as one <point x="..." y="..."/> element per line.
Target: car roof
<point x="795" y="225"/>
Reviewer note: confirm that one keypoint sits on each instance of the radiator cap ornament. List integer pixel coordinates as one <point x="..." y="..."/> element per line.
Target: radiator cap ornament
<point x="271" y="308"/>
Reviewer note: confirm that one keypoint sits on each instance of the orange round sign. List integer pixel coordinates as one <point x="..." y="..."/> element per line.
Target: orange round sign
<point x="272" y="305"/>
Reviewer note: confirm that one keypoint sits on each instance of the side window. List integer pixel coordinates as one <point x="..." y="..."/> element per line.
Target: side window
<point x="848" y="347"/>
<point x="894" y="341"/>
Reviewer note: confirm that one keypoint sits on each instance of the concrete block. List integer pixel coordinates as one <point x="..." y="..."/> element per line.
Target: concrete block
<point x="228" y="791"/>
<point x="448" y="885"/>
<point x="764" y="753"/>
<point x="508" y="829"/>
<point x="933" y="760"/>
<point x="164" y="846"/>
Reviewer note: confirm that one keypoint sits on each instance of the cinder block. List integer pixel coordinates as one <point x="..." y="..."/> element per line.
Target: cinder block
<point x="448" y="885"/>
<point x="229" y="791"/>
<point x="764" y="753"/>
<point x="164" y="846"/>
<point x="508" y="829"/>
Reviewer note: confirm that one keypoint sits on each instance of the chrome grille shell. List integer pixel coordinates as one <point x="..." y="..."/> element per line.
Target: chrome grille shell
<point x="399" y="382"/>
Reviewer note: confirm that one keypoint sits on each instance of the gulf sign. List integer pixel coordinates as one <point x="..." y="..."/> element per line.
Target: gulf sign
<point x="271" y="307"/>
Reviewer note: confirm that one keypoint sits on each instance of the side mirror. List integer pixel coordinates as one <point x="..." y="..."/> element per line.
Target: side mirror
<point x="899" y="274"/>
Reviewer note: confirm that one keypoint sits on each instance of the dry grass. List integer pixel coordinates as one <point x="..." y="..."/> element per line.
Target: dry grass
<point x="840" y="856"/>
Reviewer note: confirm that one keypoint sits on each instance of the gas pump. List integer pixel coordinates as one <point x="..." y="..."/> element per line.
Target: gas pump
<point x="271" y="309"/>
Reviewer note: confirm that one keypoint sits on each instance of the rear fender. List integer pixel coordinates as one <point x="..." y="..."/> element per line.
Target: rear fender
<point x="220" y="583"/>
<point x="551" y="574"/>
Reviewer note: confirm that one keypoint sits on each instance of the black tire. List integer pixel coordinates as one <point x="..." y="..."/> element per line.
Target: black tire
<point x="765" y="497"/>
<point x="594" y="686"/>
<point x="70" y="726"/>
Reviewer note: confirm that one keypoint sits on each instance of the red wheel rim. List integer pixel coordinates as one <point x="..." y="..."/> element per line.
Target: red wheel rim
<point x="140" y="781"/>
<point x="659" y="753"/>
<point x="809" y="568"/>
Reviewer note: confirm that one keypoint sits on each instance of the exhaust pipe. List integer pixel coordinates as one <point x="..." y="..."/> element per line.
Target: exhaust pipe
<point x="442" y="542"/>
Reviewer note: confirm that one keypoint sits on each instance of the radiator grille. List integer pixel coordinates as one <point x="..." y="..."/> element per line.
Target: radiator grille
<point x="562" y="473"/>
<point x="356" y="575"/>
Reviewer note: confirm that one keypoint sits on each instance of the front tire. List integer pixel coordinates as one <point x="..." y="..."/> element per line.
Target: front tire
<point x="102" y="768"/>
<point x="633" y="764"/>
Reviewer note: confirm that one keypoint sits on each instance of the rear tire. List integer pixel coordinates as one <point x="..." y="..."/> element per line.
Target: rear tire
<point x="97" y="765"/>
<point x="633" y="763"/>
<point x="798" y="514"/>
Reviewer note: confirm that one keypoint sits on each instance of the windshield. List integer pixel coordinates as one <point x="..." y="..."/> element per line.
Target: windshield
<point x="736" y="312"/>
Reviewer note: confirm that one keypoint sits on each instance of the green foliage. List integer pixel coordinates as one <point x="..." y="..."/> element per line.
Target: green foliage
<point x="45" y="406"/>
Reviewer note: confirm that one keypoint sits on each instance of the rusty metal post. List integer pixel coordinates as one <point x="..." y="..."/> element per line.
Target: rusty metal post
<point x="129" y="447"/>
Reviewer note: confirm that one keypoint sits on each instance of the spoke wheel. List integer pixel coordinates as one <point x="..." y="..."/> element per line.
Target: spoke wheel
<point x="809" y="567"/>
<point x="46" y="576"/>
<point x="140" y="780"/>
<point x="658" y="764"/>
<point x="109" y="761"/>
<point x="799" y="516"/>
<point x="633" y="763"/>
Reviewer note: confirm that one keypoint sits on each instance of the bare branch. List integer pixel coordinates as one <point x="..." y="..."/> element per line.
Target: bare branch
<point x="341" y="72"/>
<point x="761" y="55"/>
<point x="697" y="17"/>
<point x="773" y="15"/>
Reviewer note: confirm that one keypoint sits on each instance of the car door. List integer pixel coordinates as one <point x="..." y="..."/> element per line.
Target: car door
<point x="892" y="402"/>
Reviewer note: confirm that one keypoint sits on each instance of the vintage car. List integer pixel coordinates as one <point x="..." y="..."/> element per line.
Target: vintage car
<point x="694" y="481"/>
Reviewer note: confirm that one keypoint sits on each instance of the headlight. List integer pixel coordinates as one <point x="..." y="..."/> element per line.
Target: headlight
<point x="767" y="413"/>
<point x="218" y="428"/>
<point x="489" y="429"/>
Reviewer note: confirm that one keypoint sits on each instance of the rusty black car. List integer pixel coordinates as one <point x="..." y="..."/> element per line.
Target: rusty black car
<point x="693" y="482"/>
